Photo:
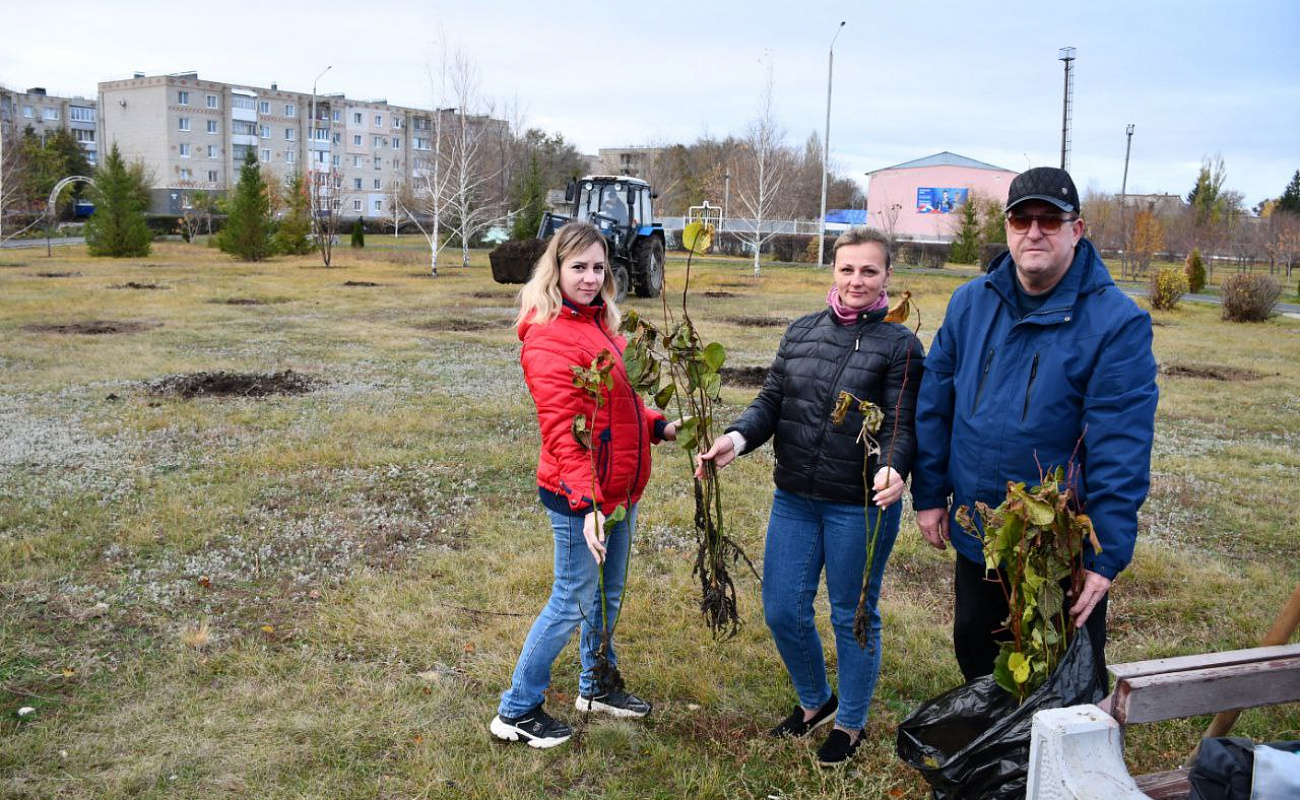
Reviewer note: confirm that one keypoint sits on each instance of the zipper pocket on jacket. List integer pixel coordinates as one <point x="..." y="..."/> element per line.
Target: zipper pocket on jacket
<point x="979" y="390"/>
<point x="1033" y="373"/>
<point x="603" y="456"/>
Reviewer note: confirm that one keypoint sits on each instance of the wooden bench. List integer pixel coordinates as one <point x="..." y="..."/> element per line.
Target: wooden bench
<point x="1077" y="752"/>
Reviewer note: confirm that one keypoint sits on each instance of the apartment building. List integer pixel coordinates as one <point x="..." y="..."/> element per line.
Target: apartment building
<point x="194" y="134"/>
<point x="44" y="113"/>
<point x="635" y="162"/>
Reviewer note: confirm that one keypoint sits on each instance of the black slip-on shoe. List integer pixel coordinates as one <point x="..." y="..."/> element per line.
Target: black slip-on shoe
<point x="838" y="748"/>
<point x="795" y="725"/>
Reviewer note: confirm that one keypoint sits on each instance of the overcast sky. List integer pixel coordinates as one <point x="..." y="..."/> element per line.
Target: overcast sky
<point x="1196" y="77"/>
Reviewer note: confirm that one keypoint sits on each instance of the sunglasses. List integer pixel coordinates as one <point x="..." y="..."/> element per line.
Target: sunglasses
<point x="1047" y="223"/>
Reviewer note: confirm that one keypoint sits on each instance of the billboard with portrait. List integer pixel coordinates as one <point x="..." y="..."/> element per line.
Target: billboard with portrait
<point x="939" y="200"/>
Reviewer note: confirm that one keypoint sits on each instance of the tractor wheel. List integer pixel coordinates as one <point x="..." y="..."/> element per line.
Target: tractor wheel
<point x="621" y="282"/>
<point x="649" y="268"/>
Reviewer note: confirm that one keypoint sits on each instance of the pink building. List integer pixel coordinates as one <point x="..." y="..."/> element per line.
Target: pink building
<point x="920" y="199"/>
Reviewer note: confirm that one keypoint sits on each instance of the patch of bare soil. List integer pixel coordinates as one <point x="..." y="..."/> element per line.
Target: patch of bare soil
<point x="718" y="295"/>
<point x="749" y="377"/>
<point x="360" y="283"/>
<point x="93" y="328"/>
<point x="57" y="274"/>
<point x="462" y="325"/>
<point x="482" y="295"/>
<point x="239" y="301"/>
<point x="1213" y="372"/>
<point x="758" y="322"/>
<point x="134" y="285"/>
<point x="233" y="384"/>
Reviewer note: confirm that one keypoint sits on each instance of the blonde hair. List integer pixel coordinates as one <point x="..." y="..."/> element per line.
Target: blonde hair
<point x="540" y="299"/>
<point x="860" y="234"/>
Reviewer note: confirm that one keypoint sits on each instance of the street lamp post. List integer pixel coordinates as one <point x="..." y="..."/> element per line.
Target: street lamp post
<point x="726" y="198"/>
<point x="311" y="137"/>
<point x="826" y="146"/>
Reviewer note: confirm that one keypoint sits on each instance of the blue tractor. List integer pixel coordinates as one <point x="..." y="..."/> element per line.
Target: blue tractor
<point x="621" y="207"/>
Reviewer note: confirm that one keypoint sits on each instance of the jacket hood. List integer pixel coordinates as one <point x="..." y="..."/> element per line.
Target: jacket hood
<point x="1087" y="274"/>
<point x="569" y="310"/>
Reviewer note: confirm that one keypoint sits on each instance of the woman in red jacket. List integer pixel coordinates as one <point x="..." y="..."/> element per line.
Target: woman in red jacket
<point x="594" y="458"/>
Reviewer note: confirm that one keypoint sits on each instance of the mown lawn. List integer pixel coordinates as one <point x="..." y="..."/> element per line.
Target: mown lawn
<point x="322" y="594"/>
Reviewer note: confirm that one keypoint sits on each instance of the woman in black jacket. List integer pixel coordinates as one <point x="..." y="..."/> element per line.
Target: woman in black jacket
<point x="818" y="518"/>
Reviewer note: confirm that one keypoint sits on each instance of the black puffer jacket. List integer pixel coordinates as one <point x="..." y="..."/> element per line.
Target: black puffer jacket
<point x="818" y="357"/>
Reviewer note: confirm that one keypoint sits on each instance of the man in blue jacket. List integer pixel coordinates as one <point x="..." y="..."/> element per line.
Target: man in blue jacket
<point x="1041" y="360"/>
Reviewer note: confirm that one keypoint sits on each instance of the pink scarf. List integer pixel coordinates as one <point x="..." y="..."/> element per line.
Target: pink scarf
<point x="847" y="316"/>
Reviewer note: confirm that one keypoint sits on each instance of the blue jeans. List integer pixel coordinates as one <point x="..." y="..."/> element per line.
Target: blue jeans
<point x="803" y="536"/>
<point x="575" y="600"/>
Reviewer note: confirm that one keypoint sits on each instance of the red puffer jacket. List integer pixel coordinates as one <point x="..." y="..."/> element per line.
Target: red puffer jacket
<point x="622" y="430"/>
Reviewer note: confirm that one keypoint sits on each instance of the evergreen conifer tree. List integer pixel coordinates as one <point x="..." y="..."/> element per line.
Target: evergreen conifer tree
<point x="1290" y="200"/>
<point x="292" y="235"/>
<point x="117" y="228"/>
<point x="966" y="247"/>
<point x="1194" y="267"/>
<point x="358" y="233"/>
<point x="247" y="232"/>
<point x="531" y="201"/>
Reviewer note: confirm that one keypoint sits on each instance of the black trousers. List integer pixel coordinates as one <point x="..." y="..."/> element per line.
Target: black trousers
<point x="979" y="611"/>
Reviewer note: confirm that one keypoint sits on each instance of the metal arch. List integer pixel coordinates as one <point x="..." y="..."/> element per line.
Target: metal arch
<point x="58" y="187"/>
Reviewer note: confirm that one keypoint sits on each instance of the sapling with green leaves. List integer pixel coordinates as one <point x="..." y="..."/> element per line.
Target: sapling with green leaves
<point x="597" y="381"/>
<point x="1034" y="541"/>
<point x="676" y="367"/>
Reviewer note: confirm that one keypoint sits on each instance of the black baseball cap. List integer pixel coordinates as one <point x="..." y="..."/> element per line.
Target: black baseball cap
<point x="1049" y="184"/>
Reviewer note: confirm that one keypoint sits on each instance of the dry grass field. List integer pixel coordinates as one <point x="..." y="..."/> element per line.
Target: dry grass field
<point x="314" y="584"/>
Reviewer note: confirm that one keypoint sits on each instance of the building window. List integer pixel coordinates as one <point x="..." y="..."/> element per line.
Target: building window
<point x="379" y="120"/>
<point x="288" y="134"/>
<point x="183" y="123"/>
<point x="82" y="135"/>
<point x="421" y="143"/>
<point x="264" y="107"/>
<point x="262" y="130"/>
<point x="212" y="101"/>
<point x="186" y="174"/>
<point x="212" y="151"/>
<point x="356" y="183"/>
<point x="183" y="97"/>
<point x="50" y="113"/>
<point x="240" y="152"/>
<point x="185" y="150"/>
<point x="241" y="127"/>
<point x="378" y="161"/>
<point x="335" y="160"/>
<point x="212" y="126"/>
<point x="379" y="205"/>
<point x="356" y="118"/>
<point x="397" y="143"/>
<point x="379" y="184"/>
<point x="338" y="138"/>
<point x="356" y="205"/>
<point x="377" y="141"/>
<point x="266" y="154"/>
<point x="289" y="110"/>
<point x="356" y="161"/>
<point x="289" y="156"/>
<point x="27" y="112"/>
<point x="356" y="139"/>
<point x="337" y="116"/>
<point x="81" y="114"/>
<point x="212" y="176"/>
<point x="242" y="103"/>
<point x="397" y="123"/>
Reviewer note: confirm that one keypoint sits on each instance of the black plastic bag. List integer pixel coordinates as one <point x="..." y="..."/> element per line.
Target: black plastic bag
<point x="972" y="743"/>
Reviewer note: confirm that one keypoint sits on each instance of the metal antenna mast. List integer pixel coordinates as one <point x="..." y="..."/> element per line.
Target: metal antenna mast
<point x="1067" y="56"/>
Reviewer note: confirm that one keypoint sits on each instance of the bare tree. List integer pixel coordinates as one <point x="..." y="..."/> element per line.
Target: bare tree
<point x="326" y="190"/>
<point x="471" y="175"/>
<point x="764" y="165"/>
<point x="14" y="195"/>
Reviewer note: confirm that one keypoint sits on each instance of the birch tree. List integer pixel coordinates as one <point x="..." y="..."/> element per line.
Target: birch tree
<point x="471" y="176"/>
<point x="764" y="166"/>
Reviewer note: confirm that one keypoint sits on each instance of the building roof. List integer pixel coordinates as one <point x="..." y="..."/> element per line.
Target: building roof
<point x="944" y="159"/>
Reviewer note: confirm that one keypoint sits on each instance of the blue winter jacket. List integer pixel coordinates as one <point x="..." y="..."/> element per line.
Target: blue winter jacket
<point x="1003" y="395"/>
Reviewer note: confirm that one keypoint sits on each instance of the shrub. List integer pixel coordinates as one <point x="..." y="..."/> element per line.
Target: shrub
<point x="730" y="244"/>
<point x="1249" y="298"/>
<point x="789" y="247"/>
<point x="810" y="250"/>
<point x="1167" y="287"/>
<point x="932" y="255"/>
<point x="990" y="251"/>
<point x="1194" y="268"/>
<point x="358" y="234"/>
